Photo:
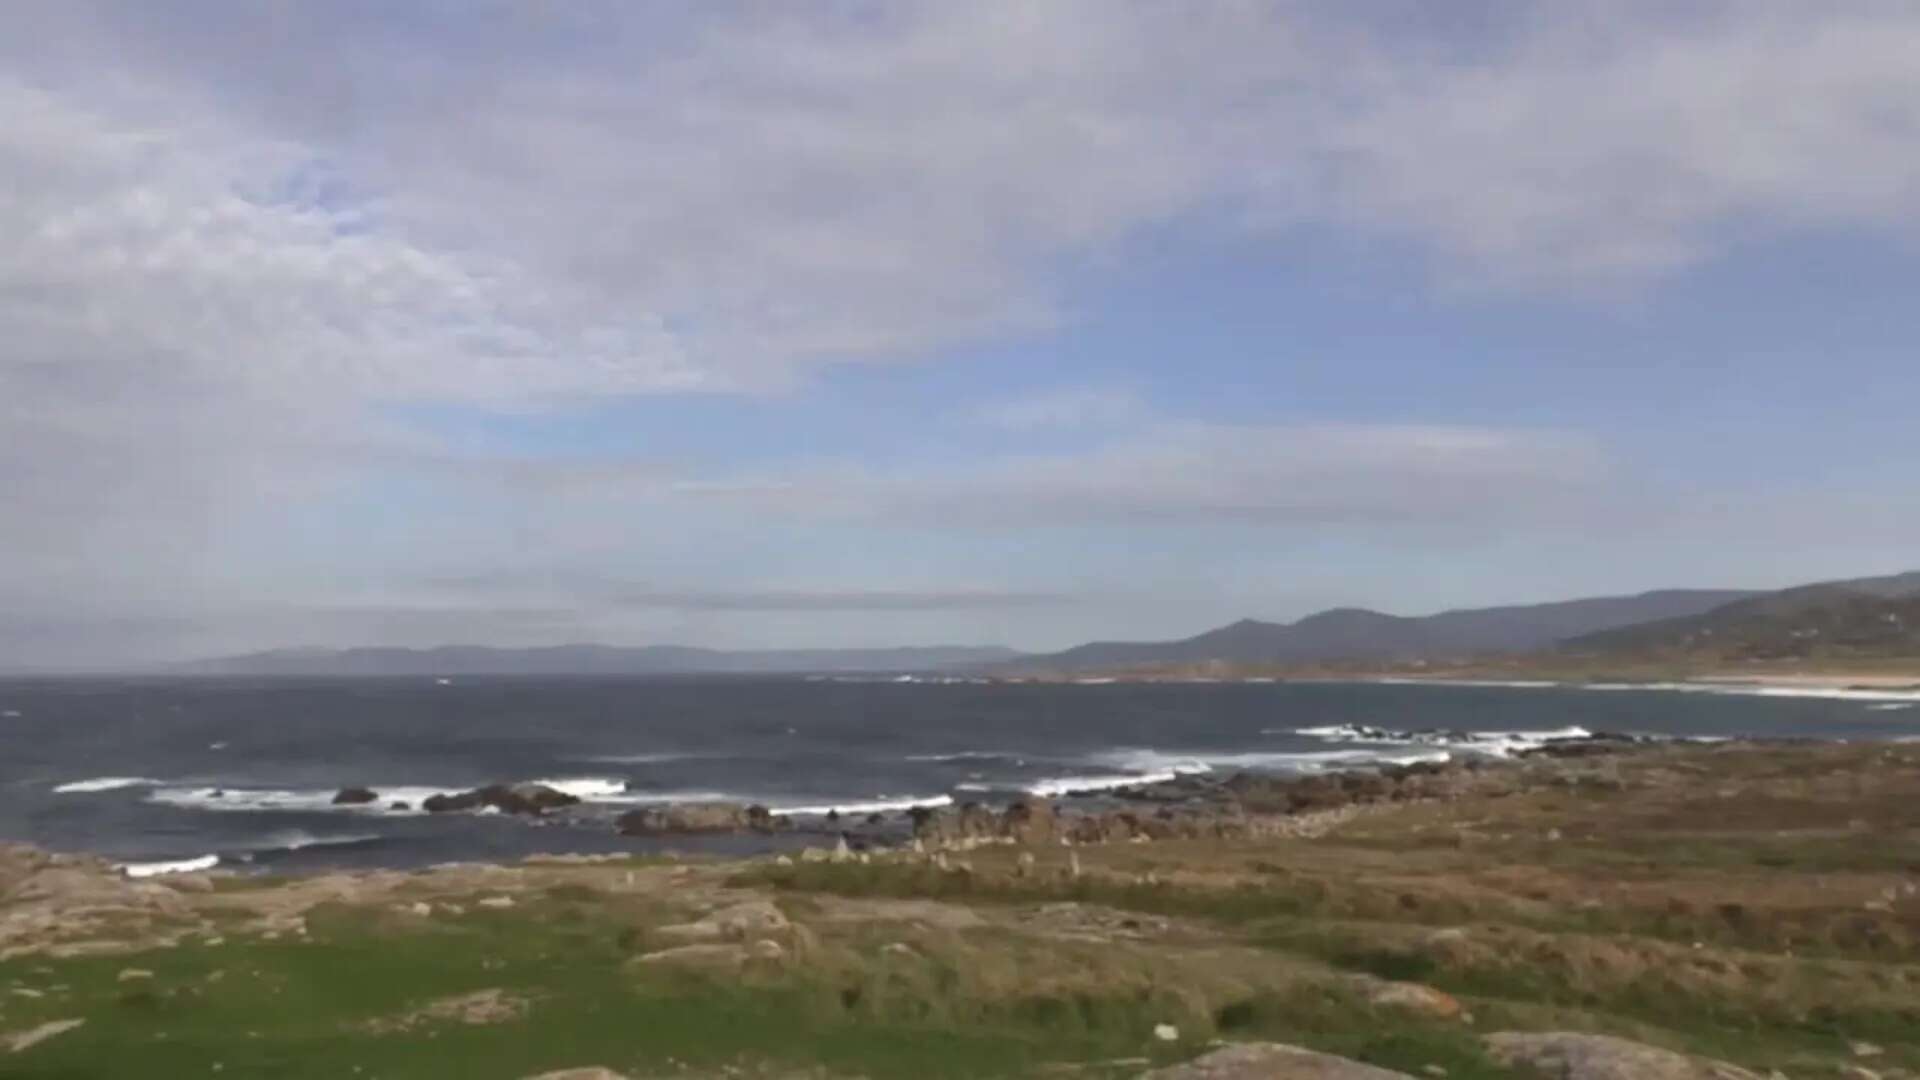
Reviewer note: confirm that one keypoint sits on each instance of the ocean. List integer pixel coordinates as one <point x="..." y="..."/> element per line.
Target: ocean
<point x="150" y="771"/>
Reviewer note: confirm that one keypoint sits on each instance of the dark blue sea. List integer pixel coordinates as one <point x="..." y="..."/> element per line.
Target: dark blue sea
<point x="151" y="770"/>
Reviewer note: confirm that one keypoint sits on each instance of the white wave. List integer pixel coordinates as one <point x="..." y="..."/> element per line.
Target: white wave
<point x="965" y="755"/>
<point x="11" y="714"/>
<point x="640" y="759"/>
<point x="1313" y="761"/>
<point x="654" y="798"/>
<point x="587" y="788"/>
<point x="1494" y="743"/>
<point x="177" y="866"/>
<point x="255" y="800"/>
<point x="1055" y="786"/>
<point x="300" y="840"/>
<point x="881" y="805"/>
<point x="1890" y="706"/>
<point x="103" y="783"/>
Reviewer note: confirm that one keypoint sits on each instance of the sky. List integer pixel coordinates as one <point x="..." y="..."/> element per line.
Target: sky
<point x="1020" y="322"/>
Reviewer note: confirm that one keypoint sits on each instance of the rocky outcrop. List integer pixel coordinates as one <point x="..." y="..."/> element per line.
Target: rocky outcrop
<point x="61" y="903"/>
<point x="750" y="919"/>
<point x="355" y="796"/>
<point x="1568" y="1055"/>
<point x="1271" y="1061"/>
<point x="684" y="818"/>
<point x="529" y="799"/>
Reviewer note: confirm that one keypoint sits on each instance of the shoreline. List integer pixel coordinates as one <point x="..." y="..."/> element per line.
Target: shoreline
<point x="1429" y="920"/>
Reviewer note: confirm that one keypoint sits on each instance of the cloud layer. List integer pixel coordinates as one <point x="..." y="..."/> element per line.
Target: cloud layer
<point x="240" y="241"/>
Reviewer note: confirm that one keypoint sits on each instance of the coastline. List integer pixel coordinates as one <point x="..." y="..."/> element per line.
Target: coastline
<point x="1428" y="917"/>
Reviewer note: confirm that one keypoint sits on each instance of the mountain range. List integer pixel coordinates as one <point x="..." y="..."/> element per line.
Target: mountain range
<point x="594" y="660"/>
<point x="1863" y="617"/>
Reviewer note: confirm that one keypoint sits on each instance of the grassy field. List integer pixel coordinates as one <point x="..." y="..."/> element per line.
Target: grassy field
<point x="1752" y="904"/>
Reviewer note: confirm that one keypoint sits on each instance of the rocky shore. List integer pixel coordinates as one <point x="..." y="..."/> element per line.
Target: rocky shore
<point x="1239" y="806"/>
<point x="1596" y="911"/>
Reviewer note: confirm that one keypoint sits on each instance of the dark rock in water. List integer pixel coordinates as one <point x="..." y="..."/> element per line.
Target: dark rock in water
<point x="833" y="815"/>
<point x="532" y="799"/>
<point x="355" y="796"/>
<point x="760" y="819"/>
<point x="876" y="819"/>
<point x="400" y="804"/>
<point x="686" y="818"/>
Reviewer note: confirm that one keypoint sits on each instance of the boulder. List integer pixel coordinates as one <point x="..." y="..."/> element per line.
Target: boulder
<point x="1414" y="998"/>
<point x="948" y="826"/>
<point x="355" y="796"/>
<point x="1571" y="1055"/>
<point x="753" y="918"/>
<point x="1029" y="821"/>
<point x="1271" y="1061"/>
<point x="530" y="799"/>
<point x="588" y="1072"/>
<point x="685" y="818"/>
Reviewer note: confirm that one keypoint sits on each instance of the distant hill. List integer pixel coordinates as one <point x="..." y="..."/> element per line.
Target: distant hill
<point x="1356" y="634"/>
<point x="595" y="660"/>
<point x="1862" y="618"/>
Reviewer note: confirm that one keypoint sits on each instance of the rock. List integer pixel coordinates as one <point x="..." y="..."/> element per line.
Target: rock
<point x="1271" y="1061"/>
<point x="713" y="957"/>
<point x="589" y="1072"/>
<point x="684" y="818"/>
<point x="355" y="796"/>
<point x="768" y="949"/>
<point x="1029" y="821"/>
<point x="1414" y="998"/>
<point x="814" y="855"/>
<point x="753" y="918"/>
<point x="498" y="903"/>
<point x="134" y="975"/>
<point x="1864" y="1049"/>
<point x="33" y="1036"/>
<point x="400" y="804"/>
<point x="529" y="799"/>
<point x="1166" y="1033"/>
<point x="841" y="853"/>
<point x="421" y="908"/>
<point x="1565" y="1055"/>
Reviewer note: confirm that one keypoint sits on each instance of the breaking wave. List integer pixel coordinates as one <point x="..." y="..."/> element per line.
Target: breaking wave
<point x="176" y="866"/>
<point x="103" y="783"/>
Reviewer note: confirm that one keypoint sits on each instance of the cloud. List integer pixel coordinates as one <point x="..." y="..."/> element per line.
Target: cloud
<point x="237" y="236"/>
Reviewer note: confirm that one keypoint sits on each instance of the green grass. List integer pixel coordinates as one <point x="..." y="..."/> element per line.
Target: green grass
<point x="298" y="1009"/>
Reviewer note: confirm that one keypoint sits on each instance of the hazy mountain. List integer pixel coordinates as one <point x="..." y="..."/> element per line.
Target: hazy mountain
<point x="594" y="660"/>
<point x="1358" y="634"/>
<point x="1864" y="617"/>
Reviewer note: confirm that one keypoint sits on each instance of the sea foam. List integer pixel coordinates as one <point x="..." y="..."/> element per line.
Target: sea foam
<point x="103" y="783"/>
<point x="177" y="866"/>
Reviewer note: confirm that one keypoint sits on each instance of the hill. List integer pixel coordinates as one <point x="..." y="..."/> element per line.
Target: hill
<point x="595" y="660"/>
<point x="1866" y="618"/>
<point x="1357" y="634"/>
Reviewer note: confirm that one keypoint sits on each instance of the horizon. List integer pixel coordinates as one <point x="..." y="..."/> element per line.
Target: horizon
<point x="747" y="327"/>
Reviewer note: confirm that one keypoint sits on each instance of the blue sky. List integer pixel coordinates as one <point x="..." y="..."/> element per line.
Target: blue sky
<point x="759" y="325"/>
